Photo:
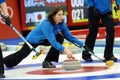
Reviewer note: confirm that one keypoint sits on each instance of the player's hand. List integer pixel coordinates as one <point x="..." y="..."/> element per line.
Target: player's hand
<point x="88" y="49"/>
<point x="116" y="8"/>
<point x="70" y="57"/>
<point x="69" y="54"/>
<point x="7" y="20"/>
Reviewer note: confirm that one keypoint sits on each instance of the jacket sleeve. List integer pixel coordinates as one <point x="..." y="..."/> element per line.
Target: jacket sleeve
<point x="1" y="1"/>
<point x="49" y="34"/>
<point x="117" y="2"/>
<point x="69" y="36"/>
<point x="89" y="3"/>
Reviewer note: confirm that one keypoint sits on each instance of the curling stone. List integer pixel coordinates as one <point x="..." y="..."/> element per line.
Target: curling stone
<point x="71" y="64"/>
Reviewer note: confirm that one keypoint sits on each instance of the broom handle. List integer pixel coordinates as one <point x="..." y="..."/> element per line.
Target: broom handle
<point x="18" y="33"/>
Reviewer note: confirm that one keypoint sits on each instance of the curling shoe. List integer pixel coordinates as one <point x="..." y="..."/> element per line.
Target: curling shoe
<point x="47" y="64"/>
<point x="86" y="56"/>
<point x="88" y="59"/>
<point x="2" y="75"/>
<point x="111" y="58"/>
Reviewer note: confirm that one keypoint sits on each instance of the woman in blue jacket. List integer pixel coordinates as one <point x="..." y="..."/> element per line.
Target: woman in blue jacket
<point x="100" y="10"/>
<point x="47" y="33"/>
<point x="5" y="13"/>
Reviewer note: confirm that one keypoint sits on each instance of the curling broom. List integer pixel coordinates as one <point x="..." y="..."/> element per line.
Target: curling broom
<point x="31" y="47"/>
<point x="85" y="48"/>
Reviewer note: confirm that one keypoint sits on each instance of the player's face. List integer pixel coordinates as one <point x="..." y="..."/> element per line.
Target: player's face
<point x="59" y="17"/>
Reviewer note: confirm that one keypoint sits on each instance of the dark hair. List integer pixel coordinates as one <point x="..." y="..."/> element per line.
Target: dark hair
<point x="53" y="11"/>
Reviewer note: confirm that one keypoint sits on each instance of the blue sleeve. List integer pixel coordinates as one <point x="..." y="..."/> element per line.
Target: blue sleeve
<point x="89" y="3"/>
<point x="118" y="2"/>
<point x="1" y="1"/>
<point x="49" y="34"/>
<point x="69" y="36"/>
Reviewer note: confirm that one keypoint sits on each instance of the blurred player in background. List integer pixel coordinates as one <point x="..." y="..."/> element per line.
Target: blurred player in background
<point x="7" y="20"/>
<point x="100" y="10"/>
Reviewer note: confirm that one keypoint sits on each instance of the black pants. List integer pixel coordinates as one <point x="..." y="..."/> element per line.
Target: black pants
<point x="1" y="62"/>
<point x="15" y="58"/>
<point x="93" y="30"/>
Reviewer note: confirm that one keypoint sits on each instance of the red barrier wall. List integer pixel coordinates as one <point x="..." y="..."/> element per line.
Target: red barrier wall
<point x="5" y="31"/>
<point x="82" y="34"/>
<point x="14" y="11"/>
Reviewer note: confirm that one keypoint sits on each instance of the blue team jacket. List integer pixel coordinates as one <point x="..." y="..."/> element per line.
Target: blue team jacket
<point x="45" y="30"/>
<point x="103" y="6"/>
<point x="1" y="1"/>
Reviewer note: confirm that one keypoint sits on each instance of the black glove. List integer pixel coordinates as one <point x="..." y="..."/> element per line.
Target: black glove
<point x="94" y="11"/>
<point x="116" y="8"/>
<point x="88" y="49"/>
<point x="7" y="20"/>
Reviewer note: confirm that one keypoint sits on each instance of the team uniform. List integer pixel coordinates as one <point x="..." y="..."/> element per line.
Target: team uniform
<point x="44" y="34"/>
<point x="97" y="11"/>
<point x="1" y="56"/>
